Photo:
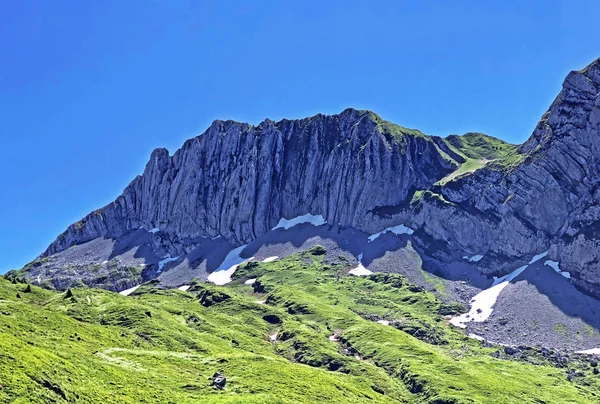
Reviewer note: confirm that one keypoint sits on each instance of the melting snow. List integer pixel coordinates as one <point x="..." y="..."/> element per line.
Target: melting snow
<point x="184" y="288"/>
<point x="477" y="337"/>
<point x="360" y="270"/>
<point x="594" y="351"/>
<point x="270" y="259"/>
<point x="475" y="258"/>
<point x="250" y="281"/>
<point x="555" y="265"/>
<point x="400" y="229"/>
<point x="261" y="301"/>
<point x="317" y="220"/>
<point x="127" y="292"/>
<point x="222" y="275"/>
<point x="273" y="337"/>
<point x="384" y="322"/>
<point x="165" y="261"/>
<point x="482" y="303"/>
<point x="155" y="230"/>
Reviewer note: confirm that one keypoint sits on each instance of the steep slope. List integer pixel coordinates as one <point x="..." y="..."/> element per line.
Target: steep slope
<point x="544" y="198"/>
<point x="237" y="181"/>
<point x="292" y="331"/>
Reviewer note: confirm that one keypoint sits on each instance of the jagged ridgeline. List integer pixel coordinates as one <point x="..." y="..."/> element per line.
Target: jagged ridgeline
<point x="461" y="195"/>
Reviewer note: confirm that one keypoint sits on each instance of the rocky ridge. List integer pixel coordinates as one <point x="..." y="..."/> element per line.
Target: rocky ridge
<point x="462" y="195"/>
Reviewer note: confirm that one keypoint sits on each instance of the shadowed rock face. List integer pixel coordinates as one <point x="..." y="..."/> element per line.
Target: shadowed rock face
<point x="237" y="181"/>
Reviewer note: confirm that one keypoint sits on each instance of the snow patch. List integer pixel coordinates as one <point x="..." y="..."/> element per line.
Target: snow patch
<point x="250" y="281"/>
<point x="261" y="301"/>
<point x="400" y="229"/>
<point x="129" y="291"/>
<point x="334" y="338"/>
<point x="474" y="258"/>
<point x="165" y="261"/>
<point x="184" y="288"/>
<point x="273" y="337"/>
<point x="477" y="337"/>
<point x="482" y="303"/>
<point x="89" y="300"/>
<point x="383" y="322"/>
<point x="104" y="262"/>
<point x="593" y="351"/>
<point x="222" y="275"/>
<point x="360" y="270"/>
<point x="555" y="265"/>
<point x="271" y="259"/>
<point x="315" y="220"/>
<point x="155" y="230"/>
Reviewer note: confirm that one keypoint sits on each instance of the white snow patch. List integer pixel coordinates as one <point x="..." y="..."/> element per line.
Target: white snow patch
<point x="538" y="257"/>
<point x="273" y="337"/>
<point x="184" y="288"/>
<point x="104" y="262"/>
<point x="250" y="281"/>
<point x="39" y="279"/>
<point x="477" y="337"/>
<point x="334" y="338"/>
<point x="474" y="258"/>
<point x="214" y="238"/>
<point x="593" y="351"/>
<point x="384" y="322"/>
<point x="222" y="275"/>
<point x="555" y="265"/>
<point x="360" y="270"/>
<point x="482" y="303"/>
<point x="271" y="259"/>
<point x="155" y="230"/>
<point x="127" y="292"/>
<point x="165" y="261"/>
<point x="261" y="301"/>
<point x="400" y="229"/>
<point x="89" y="300"/>
<point x="315" y="220"/>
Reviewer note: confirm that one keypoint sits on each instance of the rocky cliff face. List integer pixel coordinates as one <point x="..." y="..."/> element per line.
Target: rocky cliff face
<point x="237" y="181"/>
<point x="470" y="195"/>
<point x="546" y="199"/>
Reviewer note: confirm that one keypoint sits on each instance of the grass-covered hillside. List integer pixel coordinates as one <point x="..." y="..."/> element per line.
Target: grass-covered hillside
<point x="304" y="331"/>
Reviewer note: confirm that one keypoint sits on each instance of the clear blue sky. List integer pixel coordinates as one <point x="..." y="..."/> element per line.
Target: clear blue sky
<point x="89" y="88"/>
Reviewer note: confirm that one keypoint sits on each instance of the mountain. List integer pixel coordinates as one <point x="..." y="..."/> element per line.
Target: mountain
<point x="455" y="215"/>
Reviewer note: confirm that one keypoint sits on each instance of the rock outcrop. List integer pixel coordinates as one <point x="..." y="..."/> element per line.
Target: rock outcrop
<point x="546" y="198"/>
<point x="237" y="181"/>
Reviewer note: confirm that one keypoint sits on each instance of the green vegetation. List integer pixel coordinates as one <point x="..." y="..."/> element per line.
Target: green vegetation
<point x="391" y="129"/>
<point x="560" y="328"/>
<point x="479" y="149"/>
<point x="479" y="146"/>
<point x="303" y="332"/>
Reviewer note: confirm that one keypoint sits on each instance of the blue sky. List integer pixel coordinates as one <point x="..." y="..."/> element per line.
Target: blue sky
<point x="89" y="88"/>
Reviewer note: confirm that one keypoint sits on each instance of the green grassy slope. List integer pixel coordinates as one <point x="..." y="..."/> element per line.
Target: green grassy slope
<point x="164" y="345"/>
<point x="479" y="149"/>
